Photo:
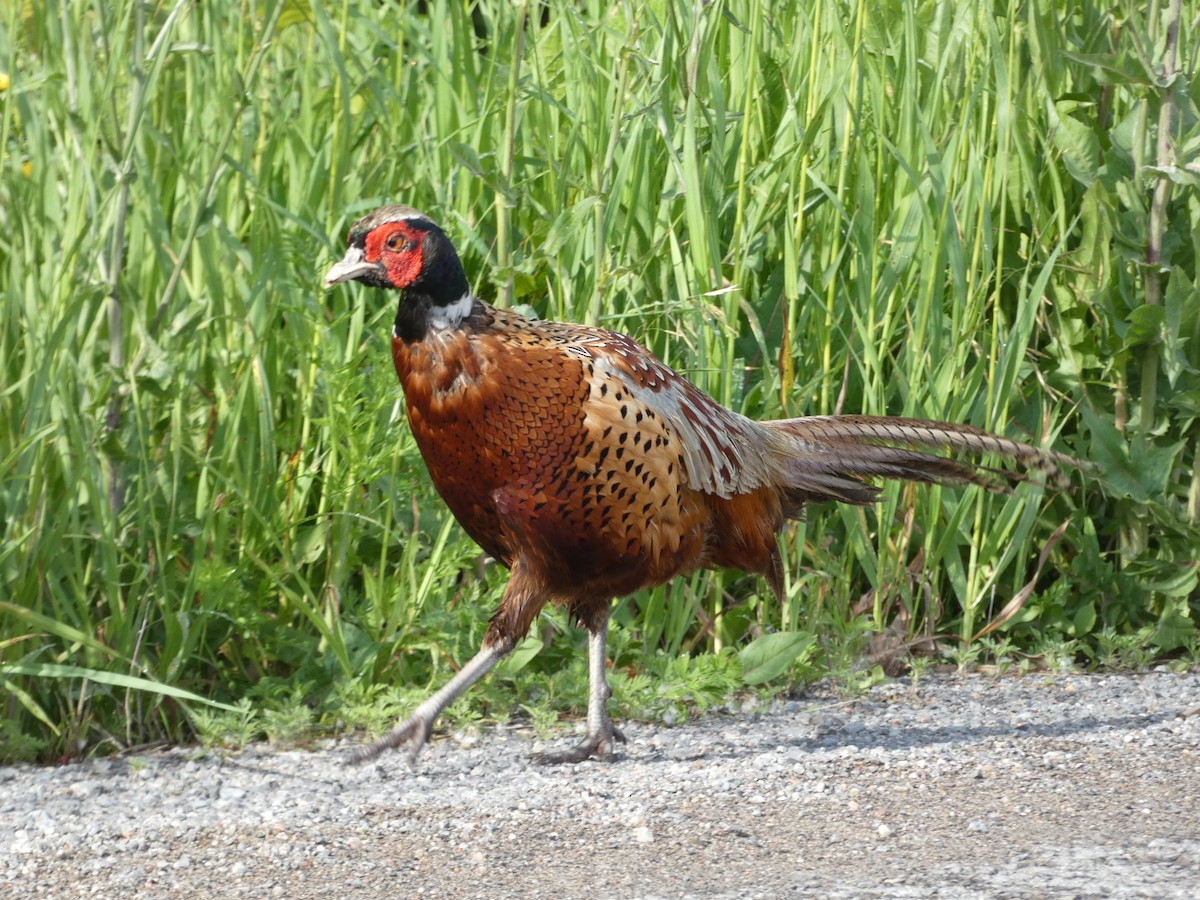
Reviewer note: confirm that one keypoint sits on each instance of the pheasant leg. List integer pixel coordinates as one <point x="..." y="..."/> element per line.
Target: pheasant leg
<point x="416" y="729"/>
<point x="602" y="734"/>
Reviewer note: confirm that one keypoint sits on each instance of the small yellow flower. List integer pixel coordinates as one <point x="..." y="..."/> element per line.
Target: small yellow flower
<point x="27" y="168"/>
<point x="5" y="81"/>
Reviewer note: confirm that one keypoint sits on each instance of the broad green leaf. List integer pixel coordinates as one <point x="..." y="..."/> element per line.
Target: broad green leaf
<point x="770" y="655"/>
<point x="1142" y="478"/>
<point x="1173" y="631"/>
<point x="1079" y="144"/>
<point x="520" y="656"/>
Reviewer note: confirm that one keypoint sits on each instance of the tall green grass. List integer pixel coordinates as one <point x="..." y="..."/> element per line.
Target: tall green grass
<point x="935" y="209"/>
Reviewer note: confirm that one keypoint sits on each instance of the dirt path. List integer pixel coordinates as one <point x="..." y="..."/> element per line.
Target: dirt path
<point x="1041" y="786"/>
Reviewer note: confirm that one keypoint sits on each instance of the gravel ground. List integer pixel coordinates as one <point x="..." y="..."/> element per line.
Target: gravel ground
<point x="1037" y="786"/>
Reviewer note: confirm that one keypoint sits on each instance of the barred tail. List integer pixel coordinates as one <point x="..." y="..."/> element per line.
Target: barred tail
<point x="827" y="457"/>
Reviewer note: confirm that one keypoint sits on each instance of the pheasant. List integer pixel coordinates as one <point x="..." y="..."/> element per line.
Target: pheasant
<point x="590" y="469"/>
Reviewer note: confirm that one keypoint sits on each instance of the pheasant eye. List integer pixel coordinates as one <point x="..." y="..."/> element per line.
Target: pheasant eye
<point x="396" y="241"/>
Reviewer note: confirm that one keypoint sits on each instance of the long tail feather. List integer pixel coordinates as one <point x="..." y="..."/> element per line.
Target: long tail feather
<point x="827" y="457"/>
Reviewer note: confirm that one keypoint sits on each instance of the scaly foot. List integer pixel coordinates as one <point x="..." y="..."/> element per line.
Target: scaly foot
<point x="594" y="746"/>
<point x="415" y="732"/>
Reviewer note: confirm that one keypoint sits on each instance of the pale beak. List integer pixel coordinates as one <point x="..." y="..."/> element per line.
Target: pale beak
<point x="352" y="265"/>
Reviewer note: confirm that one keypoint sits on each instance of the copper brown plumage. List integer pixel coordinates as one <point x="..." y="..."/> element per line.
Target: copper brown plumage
<point x="590" y="469"/>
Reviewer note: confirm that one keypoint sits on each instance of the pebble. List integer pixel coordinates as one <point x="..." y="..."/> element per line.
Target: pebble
<point x="813" y="796"/>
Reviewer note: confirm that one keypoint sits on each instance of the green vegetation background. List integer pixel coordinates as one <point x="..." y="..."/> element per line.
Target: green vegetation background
<point x="979" y="212"/>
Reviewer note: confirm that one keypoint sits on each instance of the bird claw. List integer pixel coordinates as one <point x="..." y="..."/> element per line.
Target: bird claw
<point x="414" y="731"/>
<point x="594" y="746"/>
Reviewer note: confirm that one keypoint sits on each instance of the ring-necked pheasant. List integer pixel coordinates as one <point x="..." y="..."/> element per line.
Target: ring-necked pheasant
<point x="590" y="469"/>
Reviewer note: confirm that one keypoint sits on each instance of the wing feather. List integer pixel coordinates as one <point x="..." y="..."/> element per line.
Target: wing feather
<point x="721" y="452"/>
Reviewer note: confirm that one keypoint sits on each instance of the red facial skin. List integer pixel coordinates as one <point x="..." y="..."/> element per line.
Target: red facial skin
<point x="398" y="246"/>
